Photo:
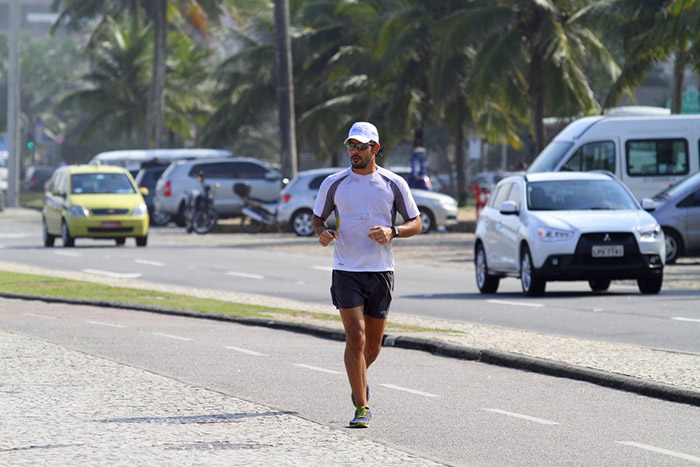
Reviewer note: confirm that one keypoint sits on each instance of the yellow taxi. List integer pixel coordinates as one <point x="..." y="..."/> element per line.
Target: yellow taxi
<point x="94" y="201"/>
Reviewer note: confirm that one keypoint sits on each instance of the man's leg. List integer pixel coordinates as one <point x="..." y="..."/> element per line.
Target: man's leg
<point x="355" y="342"/>
<point x="374" y="334"/>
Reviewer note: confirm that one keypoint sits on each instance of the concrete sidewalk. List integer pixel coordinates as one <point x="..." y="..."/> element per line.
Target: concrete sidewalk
<point x="63" y="408"/>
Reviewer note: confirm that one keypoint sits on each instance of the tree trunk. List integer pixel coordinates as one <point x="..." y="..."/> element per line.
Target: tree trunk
<point x="160" y="51"/>
<point x="460" y="166"/>
<point x="537" y="95"/>
<point x="285" y="92"/>
<point x="677" y="81"/>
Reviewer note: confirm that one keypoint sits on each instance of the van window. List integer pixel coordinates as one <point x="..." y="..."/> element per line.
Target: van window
<point x="213" y="170"/>
<point x="599" y="155"/>
<point x="248" y="170"/>
<point x="657" y="157"/>
<point x="550" y="157"/>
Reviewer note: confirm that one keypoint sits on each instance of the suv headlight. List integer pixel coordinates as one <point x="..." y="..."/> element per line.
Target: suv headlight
<point x="648" y="233"/>
<point x="139" y="210"/>
<point x="79" y="211"/>
<point x="547" y="234"/>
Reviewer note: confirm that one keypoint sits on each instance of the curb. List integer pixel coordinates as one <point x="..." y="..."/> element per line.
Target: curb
<point x="493" y="357"/>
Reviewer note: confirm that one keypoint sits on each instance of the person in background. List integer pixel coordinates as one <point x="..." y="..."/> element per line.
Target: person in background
<point x="365" y="199"/>
<point x="419" y="164"/>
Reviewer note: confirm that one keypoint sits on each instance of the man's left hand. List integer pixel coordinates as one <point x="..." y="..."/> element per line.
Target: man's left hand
<point x="380" y="234"/>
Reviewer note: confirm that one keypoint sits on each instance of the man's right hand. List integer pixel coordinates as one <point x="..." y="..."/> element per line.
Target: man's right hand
<point x="326" y="237"/>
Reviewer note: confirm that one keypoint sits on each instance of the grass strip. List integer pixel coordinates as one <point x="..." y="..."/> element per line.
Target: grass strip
<point x="48" y="286"/>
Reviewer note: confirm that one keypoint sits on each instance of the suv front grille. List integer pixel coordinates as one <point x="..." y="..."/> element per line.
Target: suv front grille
<point x="583" y="256"/>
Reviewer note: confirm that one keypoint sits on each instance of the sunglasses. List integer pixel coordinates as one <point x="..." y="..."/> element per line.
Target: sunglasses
<point x="360" y="146"/>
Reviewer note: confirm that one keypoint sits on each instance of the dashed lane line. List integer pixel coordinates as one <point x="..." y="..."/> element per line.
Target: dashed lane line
<point x="323" y="268"/>
<point x="246" y="275"/>
<point x="666" y="452"/>
<point x="506" y="302"/>
<point x="411" y="391"/>
<point x="72" y="254"/>
<point x="245" y="351"/>
<point x="688" y="320"/>
<point x="541" y="421"/>
<point x="34" y="315"/>
<point x="315" y="368"/>
<point x="149" y="262"/>
<point x="170" y="336"/>
<point x="116" y="275"/>
<point x="112" y="325"/>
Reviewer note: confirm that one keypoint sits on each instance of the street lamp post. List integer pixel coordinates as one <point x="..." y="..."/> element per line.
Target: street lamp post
<point x="285" y="91"/>
<point x="13" y="86"/>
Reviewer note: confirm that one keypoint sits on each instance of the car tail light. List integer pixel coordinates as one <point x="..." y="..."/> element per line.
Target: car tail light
<point x="168" y="191"/>
<point x="286" y="198"/>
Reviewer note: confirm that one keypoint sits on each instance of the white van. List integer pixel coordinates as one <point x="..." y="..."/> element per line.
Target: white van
<point x="647" y="153"/>
<point x="132" y="159"/>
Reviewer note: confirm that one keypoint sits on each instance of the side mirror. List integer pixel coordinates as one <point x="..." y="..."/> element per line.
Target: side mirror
<point x="648" y="204"/>
<point x="144" y="191"/>
<point x="508" y="208"/>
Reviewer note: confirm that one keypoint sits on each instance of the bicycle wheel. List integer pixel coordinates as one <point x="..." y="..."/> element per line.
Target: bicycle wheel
<point x="204" y="220"/>
<point x="250" y="225"/>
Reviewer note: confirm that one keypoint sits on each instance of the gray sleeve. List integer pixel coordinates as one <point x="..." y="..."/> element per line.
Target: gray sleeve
<point x="325" y="200"/>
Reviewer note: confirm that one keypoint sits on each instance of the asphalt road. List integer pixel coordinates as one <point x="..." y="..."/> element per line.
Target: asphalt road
<point x="434" y="278"/>
<point x="460" y="412"/>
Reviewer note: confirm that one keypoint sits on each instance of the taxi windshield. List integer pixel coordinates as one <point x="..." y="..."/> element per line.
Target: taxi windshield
<point x="103" y="183"/>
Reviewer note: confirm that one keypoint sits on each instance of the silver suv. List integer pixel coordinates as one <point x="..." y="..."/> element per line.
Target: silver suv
<point x="221" y="175"/>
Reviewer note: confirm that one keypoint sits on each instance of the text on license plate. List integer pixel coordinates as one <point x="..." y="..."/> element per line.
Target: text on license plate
<point x="607" y="251"/>
<point x="111" y="225"/>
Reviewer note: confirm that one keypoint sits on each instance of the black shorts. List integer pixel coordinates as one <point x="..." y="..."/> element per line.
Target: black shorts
<point x="371" y="290"/>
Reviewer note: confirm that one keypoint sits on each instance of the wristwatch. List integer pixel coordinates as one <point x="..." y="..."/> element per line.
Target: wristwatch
<point x="395" y="230"/>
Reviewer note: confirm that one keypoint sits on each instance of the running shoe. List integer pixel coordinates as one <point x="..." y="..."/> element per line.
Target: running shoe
<point x="352" y="397"/>
<point x="362" y="417"/>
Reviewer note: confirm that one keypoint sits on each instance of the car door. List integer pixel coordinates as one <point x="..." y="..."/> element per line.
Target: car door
<point x="495" y="249"/>
<point x="264" y="182"/>
<point x="54" y="201"/>
<point x="509" y="231"/>
<point x="691" y="205"/>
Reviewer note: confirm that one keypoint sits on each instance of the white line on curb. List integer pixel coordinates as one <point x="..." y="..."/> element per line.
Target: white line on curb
<point x="245" y="351"/>
<point x="117" y="275"/>
<point x="40" y="316"/>
<point x="541" y="421"/>
<point x="315" y="368"/>
<point x="244" y="274"/>
<point x="506" y="302"/>
<point x="170" y="336"/>
<point x="679" y="455"/>
<point x="148" y="262"/>
<point x="97" y="323"/>
<point x="690" y="320"/>
<point x="412" y="391"/>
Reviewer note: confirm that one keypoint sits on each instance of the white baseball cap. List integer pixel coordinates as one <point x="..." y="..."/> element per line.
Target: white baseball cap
<point x="364" y="132"/>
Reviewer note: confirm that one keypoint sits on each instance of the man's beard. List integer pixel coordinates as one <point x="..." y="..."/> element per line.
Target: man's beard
<point x="361" y="164"/>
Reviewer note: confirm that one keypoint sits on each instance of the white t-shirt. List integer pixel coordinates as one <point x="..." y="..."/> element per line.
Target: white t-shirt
<point x="361" y="202"/>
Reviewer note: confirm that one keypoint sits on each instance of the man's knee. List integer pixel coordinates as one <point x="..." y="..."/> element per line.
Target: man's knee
<point x="355" y="339"/>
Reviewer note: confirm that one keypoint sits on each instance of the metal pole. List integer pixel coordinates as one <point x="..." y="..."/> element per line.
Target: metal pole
<point x="13" y="86"/>
<point x="285" y="91"/>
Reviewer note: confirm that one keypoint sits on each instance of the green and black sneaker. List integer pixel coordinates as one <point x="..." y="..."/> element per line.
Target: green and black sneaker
<point x="362" y="417"/>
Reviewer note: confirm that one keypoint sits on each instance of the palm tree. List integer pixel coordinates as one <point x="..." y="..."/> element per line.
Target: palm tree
<point x="536" y="47"/>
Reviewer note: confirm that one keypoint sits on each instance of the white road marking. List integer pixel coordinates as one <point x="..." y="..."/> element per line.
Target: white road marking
<point x="67" y="253"/>
<point x="506" y="302"/>
<point x="244" y="274"/>
<point x="97" y="323"/>
<point x="117" y="275"/>
<point x="412" y="391"/>
<point x="315" y="368"/>
<point x="170" y="336"/>
<point x="323" y="268"/>
<point x="40" y="316"/>
<point x="679" y="455"/>
<point x="524" y="417"/>
<point x="245" y="351"/>
<point x="149" y="263"/>
<point x="12" y="235"/>
<point x="690" y="320"/>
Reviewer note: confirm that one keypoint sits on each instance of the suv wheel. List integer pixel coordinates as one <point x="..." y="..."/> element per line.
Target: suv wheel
<point x="599" y="285"/>
<point x="486" y="282"/>
<point x="531" y="282"/>
<point x="301" y="223"/>
<point x="674" y="246"/>
<point x="650" y="285"/>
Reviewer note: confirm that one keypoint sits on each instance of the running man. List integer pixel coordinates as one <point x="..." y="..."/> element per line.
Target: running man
<point x="365" y="199"/>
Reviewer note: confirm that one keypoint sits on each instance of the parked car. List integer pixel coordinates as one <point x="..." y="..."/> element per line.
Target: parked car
<point x="147" y="177"/>
<point x="567" y="226"/>
<point x="3" y="170"/>
<point x="222" y="174"/>
<point x="297" y="201"/>
<point x="35" y="176"/>
<point x="93" y="201"/>
<point x="678" y="211"/>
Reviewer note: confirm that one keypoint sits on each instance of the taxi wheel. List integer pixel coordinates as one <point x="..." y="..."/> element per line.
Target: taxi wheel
<point x="68" y="241"/>
<point x="48" y="238"/>
<point x="142" y="241"/>
<point x="120" y="241"/>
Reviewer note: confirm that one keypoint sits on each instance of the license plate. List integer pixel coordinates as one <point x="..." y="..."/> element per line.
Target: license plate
<point x="111" y="225"/>
<point x="607" y="251"/>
